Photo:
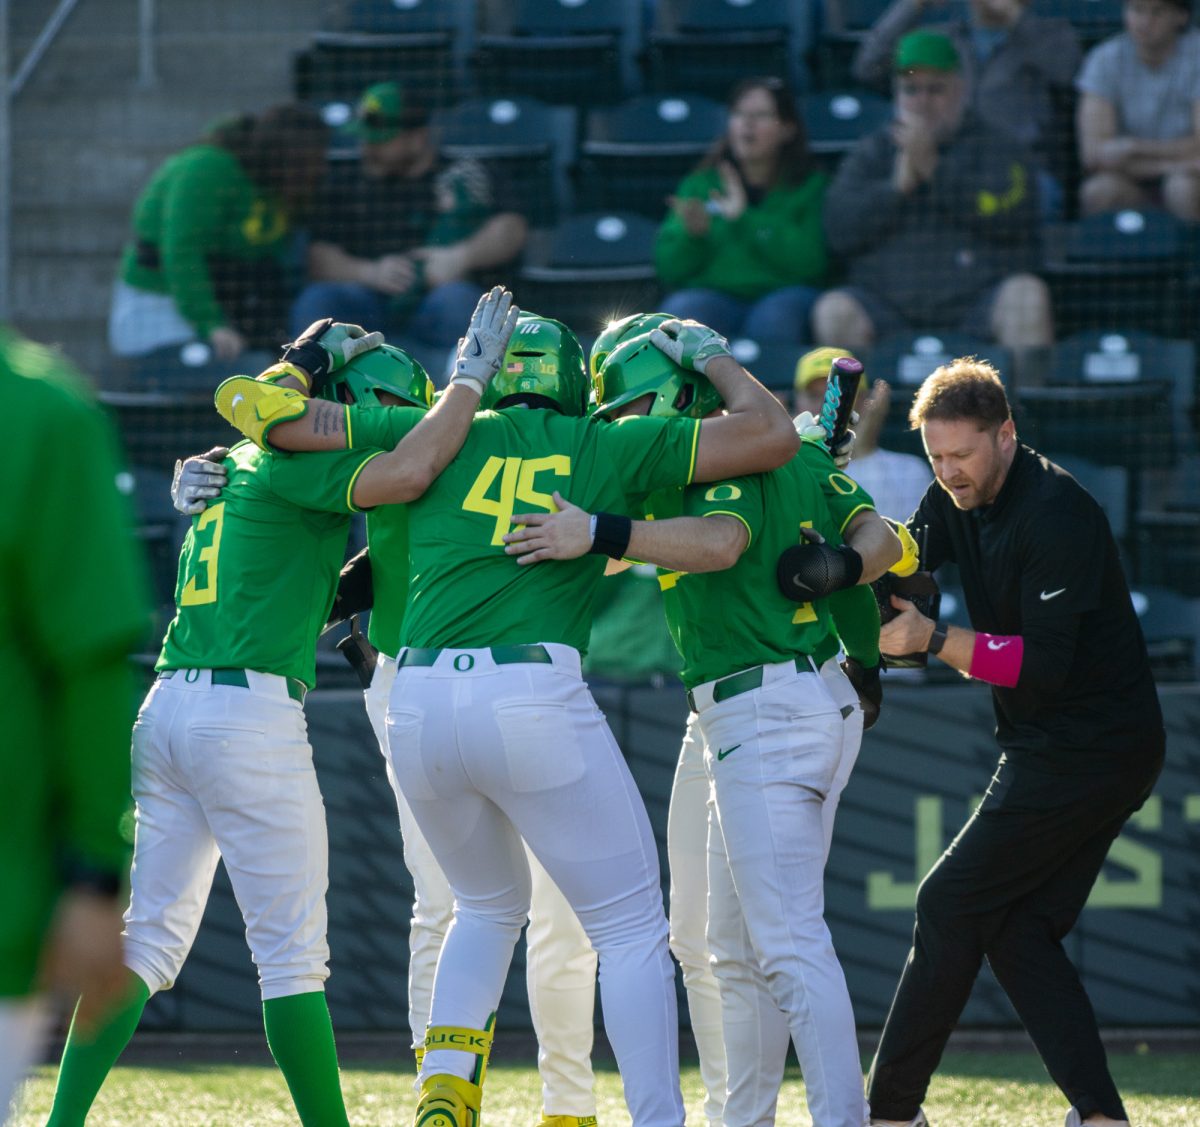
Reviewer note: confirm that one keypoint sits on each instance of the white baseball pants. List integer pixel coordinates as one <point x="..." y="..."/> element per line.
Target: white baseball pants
<point x="560" y="964"/>
<point x="769" y="831"/>
<point x="22" y="1026"/>
<point x="488" y="755"/>
<point x="222" y="772"/>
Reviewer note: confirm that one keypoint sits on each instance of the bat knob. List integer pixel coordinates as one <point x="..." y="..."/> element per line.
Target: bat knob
<point x="848" y="366"/>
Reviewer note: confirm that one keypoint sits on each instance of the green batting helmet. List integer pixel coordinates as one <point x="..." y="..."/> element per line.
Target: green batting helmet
<point x="617" y="331"/>
<point x="385" y="368"/>
<point x="544" y="359"/>
<point x="636" y="368"/>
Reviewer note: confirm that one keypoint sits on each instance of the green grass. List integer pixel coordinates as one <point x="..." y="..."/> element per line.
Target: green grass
<point x="971" y="1090"/>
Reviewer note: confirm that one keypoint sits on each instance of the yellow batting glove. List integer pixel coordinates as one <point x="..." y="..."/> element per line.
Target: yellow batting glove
<point x="254" y="407"/>
<point x="911" y="560"/>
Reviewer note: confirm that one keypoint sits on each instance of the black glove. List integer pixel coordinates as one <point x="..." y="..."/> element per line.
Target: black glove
<point x="922" y="591"/>
<point x="361" y="655"/>
<point x="327" y="346"/>
<point x="814" y="570"/>
<point x="355" y="591"/>
<point x="868" y="686"/>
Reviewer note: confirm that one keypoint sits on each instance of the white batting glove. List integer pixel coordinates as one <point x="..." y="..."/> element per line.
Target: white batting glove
<point x="689" y="343"/>
<point x="197" y="481"/>
<point x="807" y="427"/>
<point x="482" y="349"/>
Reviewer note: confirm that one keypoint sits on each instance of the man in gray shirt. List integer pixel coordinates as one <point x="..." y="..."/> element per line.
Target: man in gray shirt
<point x="1139" y="114"/>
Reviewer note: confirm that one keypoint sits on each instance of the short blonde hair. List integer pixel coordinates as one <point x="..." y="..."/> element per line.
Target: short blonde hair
<point x="966" y="388"/>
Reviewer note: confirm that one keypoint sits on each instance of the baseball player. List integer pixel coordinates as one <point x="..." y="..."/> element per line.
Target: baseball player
<point x="560" y="962"/>
<point x="68" y="697"/>
<point x="494" y="737"/>
<point x="772" y="953"/>
<point x="222" y="768"/>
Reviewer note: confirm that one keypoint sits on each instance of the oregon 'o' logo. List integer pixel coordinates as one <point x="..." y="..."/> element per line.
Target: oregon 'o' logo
<point x="463" y="662"/>
<point x="843" y="484"/>
<point x="723" y="492"/>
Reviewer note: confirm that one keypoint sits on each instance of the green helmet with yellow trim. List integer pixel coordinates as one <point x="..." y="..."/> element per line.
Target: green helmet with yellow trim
<point x="385" y="368"/>
<point x="617" y="331"/>
<point x="636" y="368"/>
<point x="544" y="362"/>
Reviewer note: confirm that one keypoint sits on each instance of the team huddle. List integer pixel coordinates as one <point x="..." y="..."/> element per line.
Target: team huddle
<point x="493" y="515"/>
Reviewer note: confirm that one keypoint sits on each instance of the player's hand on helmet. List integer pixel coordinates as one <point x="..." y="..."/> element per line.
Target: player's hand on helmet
<point x="564" y="535"/>
<point x="690" y="344"/>
<point x="816" y="569"/>
<point x="868" y="687"/>
<point x="326" y="347"/>
<point x="197" y="480"/>
<point x="481" y="351"/>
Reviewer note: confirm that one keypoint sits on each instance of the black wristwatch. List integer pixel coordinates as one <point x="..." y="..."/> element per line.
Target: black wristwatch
<point x="938" y="638"/>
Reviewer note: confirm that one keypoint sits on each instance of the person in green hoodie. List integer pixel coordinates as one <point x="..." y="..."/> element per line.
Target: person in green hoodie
<point x="201" y="287"/>
<point x="742" y="248"/>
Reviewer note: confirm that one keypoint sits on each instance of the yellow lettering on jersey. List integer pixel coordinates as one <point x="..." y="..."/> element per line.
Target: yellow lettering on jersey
<point x="723" y="492"/>
<point x="193" y="593"/>
<point x="843" y="484"/>
<point x="805" y="611"/>
<point x="557" y="464"/>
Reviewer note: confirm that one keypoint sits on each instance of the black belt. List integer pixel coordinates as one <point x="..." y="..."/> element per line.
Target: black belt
<point x="501" y="655"/>
<point x="738" y="683"/>
<point x="237" y="678"/>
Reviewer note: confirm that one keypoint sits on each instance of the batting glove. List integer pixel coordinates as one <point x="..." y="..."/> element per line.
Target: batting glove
<point x="808" y="427"/>
<point x="325" y="347"/>
<point x="868" y="687"/>
<point x="482" y="349"/>
<point x="198" y="480"/>
<point x="815" y="569"/>
<point x="690" y="344"/>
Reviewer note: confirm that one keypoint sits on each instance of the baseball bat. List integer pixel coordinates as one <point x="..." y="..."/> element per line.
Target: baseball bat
<point x="845" y="374"/>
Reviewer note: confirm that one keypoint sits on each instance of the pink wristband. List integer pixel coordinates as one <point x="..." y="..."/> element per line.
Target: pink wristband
<point x="996" y="659"/>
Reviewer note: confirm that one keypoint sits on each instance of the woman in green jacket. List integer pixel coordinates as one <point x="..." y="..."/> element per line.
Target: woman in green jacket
<point x="742" y="249"/>
<point x="202" y="278"/>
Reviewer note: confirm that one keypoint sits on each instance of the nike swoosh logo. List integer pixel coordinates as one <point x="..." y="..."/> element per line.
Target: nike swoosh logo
<point x="1046" y="596"/>
<point x="994" y="645"/>
<point x="728" y="751"/>
<point x="478" y="347"/>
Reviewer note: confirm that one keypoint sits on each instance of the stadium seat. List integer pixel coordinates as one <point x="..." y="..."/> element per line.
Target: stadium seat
<point x="1126" y="267"/>
<point x="706" y="46"/>
<point x="424" y="43"/>
<point x="569" y="52"/>
<point x="1168" y="549"/>
<point x="1108" y="484"/>
<point x="592" y="268"/>
<point x="1171" y="625"/>
<point x="634" y="155"/>
<point x="772" y="363"/>
<point x="836" y="119"/>
<point x="522" y="141"/>
<point x="904" y="360"/>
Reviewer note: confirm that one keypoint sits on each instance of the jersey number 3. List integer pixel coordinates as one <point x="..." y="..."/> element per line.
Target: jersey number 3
<point x="516" y="483"/>
<point x="194" y="593"/>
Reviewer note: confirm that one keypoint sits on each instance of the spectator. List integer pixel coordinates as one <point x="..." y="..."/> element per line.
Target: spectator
<point x="895" y="481"/>
<point x="398" y="235"/>
<point x="742" y="246"/>
<point x="936" y="214"/>
<point x="1139" y="116"/>
<point x="1018" y="69"/>
<point x="211" y="231"/>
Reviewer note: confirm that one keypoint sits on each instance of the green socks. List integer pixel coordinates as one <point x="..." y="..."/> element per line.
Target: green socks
<point x="300" y="1035"/>
<point x="87" y="1060"/>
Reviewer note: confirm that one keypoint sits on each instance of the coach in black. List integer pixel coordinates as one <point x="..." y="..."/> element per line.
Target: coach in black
<point x="1080" y="731"/>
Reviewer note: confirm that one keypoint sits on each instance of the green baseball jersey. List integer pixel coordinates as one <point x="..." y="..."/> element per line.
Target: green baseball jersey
<point x="726" y="621"/>
<point x="387" y="544"/>
<point x="259" y="568"/>
<point x="73" y="603"/>
<point x="465" y="591"/>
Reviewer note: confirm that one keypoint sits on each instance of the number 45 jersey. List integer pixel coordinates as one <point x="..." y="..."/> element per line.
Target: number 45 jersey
<point x="259" y="566"/>
<point x="465" y="591"/>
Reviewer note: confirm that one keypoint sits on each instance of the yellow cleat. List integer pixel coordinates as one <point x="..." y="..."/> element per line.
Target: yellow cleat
<point x="447" y="1100"/>
<point x="254" y="407"/>
<point x="567" y="1120"/>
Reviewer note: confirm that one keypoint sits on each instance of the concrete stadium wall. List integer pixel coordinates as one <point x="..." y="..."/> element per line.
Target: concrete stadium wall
<point x="1137" y="943"/>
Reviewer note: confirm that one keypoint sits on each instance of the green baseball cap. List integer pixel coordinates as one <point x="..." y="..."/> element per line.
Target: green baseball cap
<point x="928" y="50"/>
<point x="383" y="111"/>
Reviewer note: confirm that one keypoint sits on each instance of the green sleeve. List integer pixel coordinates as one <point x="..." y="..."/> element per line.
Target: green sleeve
<point x="195" y="201"/>
<point x="322" y="482"/>
<point x="856" y="619"/>
<point x="740" y="498"/>
<point x="650" y="453"/>
<point x="678" y="255"/>
<point x="379" y="428"/>
<point x="786" y="231"/>
<point x="844" y="496"/>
